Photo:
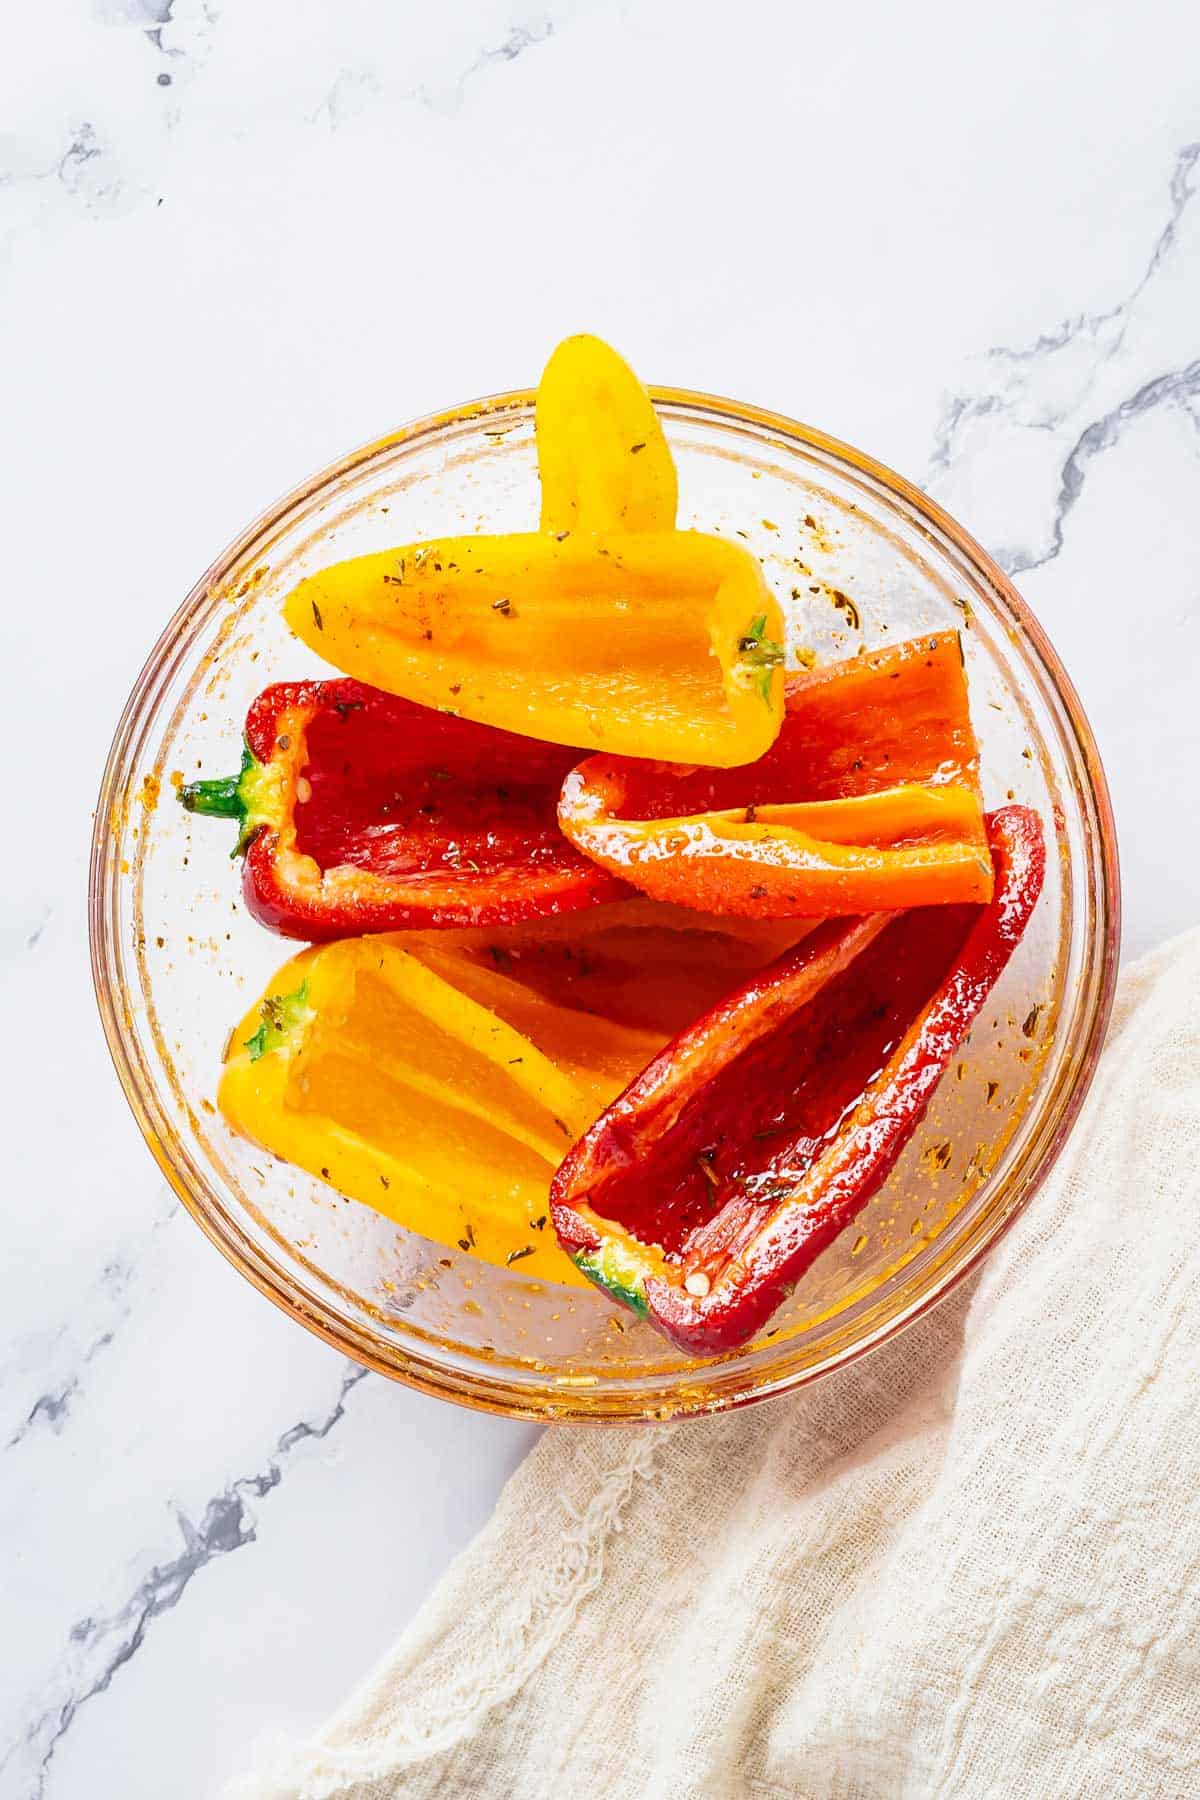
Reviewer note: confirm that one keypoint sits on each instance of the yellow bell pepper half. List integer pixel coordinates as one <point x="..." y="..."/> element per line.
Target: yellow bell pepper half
<point x="606" y="630"/>
<point x="603" y="457"/>
<point x="665" y="645"/>
<point x="442" y="1081"/>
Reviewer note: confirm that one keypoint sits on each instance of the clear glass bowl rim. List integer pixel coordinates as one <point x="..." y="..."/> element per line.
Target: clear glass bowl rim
<point x="493" y="1394"/>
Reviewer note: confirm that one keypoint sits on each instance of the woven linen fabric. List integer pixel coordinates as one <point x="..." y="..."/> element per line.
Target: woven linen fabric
<point x="967" y="1565"/>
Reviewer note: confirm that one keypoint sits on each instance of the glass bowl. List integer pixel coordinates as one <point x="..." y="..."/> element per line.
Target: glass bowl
<point x="857" y="556"/>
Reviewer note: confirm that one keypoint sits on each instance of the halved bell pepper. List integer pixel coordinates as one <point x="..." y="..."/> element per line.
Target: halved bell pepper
<point x="661" y="644"/>
<point x="608" y="629"/>
<point x="754" y="1138"/>
<point x="869" y="800"/>
<point x="439" y="1078"/>
<point x="363" y="812"/>
<point x="603" y="457"/>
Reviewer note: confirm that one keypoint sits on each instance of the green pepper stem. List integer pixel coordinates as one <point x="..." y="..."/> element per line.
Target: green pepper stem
<point x="227" y="797"/>
<point x="219" y="799"/>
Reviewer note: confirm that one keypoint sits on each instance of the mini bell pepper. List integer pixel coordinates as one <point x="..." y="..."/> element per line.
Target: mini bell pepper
<point x="606" y="630"/>
<point x="754" y="1138"/>
<point x="603" y="457"/>
<point x="651" y="643"/>
<point x="868" y="800"/>
<point x="362" y="812"/>
<point x="439" y="1078"/>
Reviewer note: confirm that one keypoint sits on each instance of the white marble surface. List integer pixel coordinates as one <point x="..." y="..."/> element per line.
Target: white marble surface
<point x="239" y="236"/>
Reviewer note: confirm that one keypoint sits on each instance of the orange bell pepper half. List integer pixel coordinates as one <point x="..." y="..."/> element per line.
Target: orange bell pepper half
<point x="606" y="630"/>
<point x="869" y="801"/>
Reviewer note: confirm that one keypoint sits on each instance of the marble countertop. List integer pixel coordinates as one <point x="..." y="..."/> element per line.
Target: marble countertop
<point x="238" y="239"/>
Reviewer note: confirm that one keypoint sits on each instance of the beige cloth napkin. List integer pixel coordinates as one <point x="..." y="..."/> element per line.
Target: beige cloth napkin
<point x="969" y="1565"/>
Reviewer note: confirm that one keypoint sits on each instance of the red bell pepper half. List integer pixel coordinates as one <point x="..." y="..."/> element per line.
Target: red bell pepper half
<point x="703" y="1194"/>
<point x="362" y="812"/>
<point x="868" y="800"/>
